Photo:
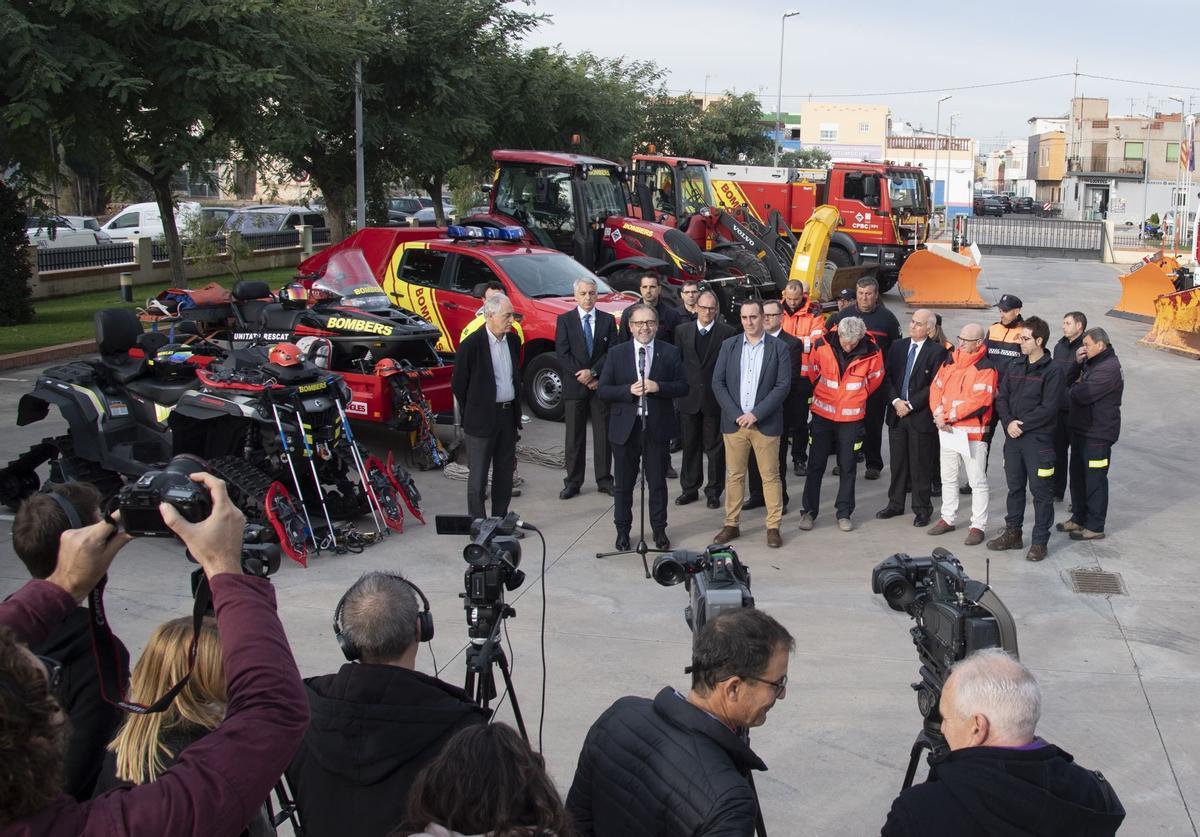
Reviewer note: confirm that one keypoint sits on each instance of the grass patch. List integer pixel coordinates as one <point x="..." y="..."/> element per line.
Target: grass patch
<point x="69" y="318"/>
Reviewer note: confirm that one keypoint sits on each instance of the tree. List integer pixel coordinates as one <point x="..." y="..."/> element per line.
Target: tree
<point x="670" y="125"/>
<point x="805" y="158"/>
<point x="15" y="307"/>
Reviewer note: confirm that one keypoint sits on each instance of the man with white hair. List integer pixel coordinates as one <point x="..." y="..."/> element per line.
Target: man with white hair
<point x="999" y="777"/>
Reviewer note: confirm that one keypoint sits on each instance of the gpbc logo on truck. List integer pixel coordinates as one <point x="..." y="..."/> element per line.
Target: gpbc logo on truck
<point x="364" y="326"/>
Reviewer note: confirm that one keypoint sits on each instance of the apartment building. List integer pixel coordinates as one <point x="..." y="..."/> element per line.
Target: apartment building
<point x="847" y="132"/>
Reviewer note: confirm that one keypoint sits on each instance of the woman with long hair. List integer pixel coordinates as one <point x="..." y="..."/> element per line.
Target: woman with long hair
<point x="486" y="781"/>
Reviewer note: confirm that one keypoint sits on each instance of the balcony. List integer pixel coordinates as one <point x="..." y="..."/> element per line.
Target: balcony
<point x="1107" y="167"/>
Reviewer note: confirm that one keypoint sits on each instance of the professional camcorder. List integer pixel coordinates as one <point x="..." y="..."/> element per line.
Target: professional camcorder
<point x="138" y="501"/>
<point x="715" y="579"/>
<point x="492" y="557"/>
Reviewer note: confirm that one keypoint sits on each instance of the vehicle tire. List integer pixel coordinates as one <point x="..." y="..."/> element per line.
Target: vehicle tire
<point x="752" y="266"/>
<point x="887" y="281"/>
<point x="836" y="258"/>
<point x="543" y="379"/>
<point x="625" y="279"/>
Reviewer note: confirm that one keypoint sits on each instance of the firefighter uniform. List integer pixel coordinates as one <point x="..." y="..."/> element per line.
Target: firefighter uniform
<point x="883" y="328"/>
<point x="1002" y="348"/>
<point x="842" y="385"/>
<point x="1095" y="400"/>
<point x="962" y="395"/>
<point x="806" y="324"/>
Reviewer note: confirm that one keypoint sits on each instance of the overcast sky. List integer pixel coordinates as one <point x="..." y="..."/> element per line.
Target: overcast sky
<point x="836" y="49"/>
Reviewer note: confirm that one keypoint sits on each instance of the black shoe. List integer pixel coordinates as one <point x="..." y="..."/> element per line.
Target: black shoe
<point x="661" y="541"/>
<point x="672" y="474"/>
<point x="753" y="503"/>
<point x="676" y="445"/>
<point x="872" y="473"/>
<point x="921" y="520"/>
<point x="800" y="468"/>
<point x="713" y="502"/>
<point x="605" y="489"/>
<point x="687" y="497"/>
<point x="622" y="541"/>
<point x="888" y="513"/>
<point x="568" y="492"/>
<point x="964" y="489"/>
<point x="935" y="491"/>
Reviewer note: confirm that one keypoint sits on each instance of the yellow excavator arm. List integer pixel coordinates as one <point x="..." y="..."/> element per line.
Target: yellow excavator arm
<point x="808" y="265"/>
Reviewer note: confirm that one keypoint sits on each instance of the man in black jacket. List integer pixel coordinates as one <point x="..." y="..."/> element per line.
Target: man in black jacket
<point x="1095" y="427"/>
<point x="650" y="287"/>
<point x="699" y="343"/>
<point x="582" y="337"/>
<point x="376" y="722"/>
<point x="675" y="766"/>
<point x="909" y="369"/>
<point x="1030" y="391"/>
<point x="1066" y="354"/>
<point x="486" y="382"/>
<point x="1000" y="779"/>
<point x="37" y="528"/>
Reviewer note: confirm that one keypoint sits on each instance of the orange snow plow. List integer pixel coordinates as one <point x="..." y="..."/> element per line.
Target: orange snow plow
<point x="939" y="277"/>
<point x="1143" y="284"/>
<point x="1176" y="324"/>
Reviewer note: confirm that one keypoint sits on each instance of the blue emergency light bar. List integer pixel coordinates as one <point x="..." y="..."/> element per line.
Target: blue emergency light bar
<point x="486" y="233"/>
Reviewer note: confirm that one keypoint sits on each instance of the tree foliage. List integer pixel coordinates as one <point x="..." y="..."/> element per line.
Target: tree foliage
<point x="805" y="158"/>
<point x="729" y="130"/>
<point x="15" y="273"/>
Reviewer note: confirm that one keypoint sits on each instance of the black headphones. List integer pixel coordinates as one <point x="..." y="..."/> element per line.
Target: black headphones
<point x="352" y="651"/>
<point x="68" y="508"/>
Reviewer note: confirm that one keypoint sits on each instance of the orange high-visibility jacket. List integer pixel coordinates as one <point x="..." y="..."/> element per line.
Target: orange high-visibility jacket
<point x="964" y="390"/>
<point x="838" y="395"/>
<point x="806" y="325"/>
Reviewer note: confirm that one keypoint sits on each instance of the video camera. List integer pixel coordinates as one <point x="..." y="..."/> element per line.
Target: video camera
<point x="492" y="557"/>
<point x="715" y="579"/>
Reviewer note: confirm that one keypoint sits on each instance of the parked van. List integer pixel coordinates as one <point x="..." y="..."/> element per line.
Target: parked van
<point x="144" y="219"/>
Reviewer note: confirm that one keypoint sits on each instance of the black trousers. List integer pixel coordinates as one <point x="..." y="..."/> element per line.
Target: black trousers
<point x="1062" y="446"/>
<point x="802" y="397"/>
<point x="1089" y="481"/>
<point x="873" y="429"/>
<point x="1029" y="460"/>
<point x="914" y="460"/>
<point x="829" y="437"/>
<point x="625" y="465"/>
<point x="577" y="411"/>
<point x="702" y="440"/>
<point x="498" y="453"/>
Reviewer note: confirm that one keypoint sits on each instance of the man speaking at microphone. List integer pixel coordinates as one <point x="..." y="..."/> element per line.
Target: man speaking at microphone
<point x="639" y="380"/>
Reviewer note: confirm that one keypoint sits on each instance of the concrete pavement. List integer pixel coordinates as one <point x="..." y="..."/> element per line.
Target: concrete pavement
<point x="1120" y="674"/>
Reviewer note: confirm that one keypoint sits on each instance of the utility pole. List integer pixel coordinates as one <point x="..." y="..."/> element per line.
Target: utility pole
<point x="779" y="92"/>
<point x="1178" y="174"/>
<point x="937" y="141"/>
<point x="360" y="179"/>
<point x="949" y="160"/>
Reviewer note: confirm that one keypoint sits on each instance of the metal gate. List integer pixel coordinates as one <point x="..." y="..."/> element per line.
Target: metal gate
<point x="1046" y="237"/>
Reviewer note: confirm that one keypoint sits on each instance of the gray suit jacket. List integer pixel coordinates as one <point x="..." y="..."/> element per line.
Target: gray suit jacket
<point x="774" y="382"/>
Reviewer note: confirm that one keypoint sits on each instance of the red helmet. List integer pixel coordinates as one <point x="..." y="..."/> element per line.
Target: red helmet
<point x="284" y="354"/>
<point x="387" y="366"/>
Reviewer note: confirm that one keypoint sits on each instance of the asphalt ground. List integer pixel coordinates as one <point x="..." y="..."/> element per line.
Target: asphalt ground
<point x="1120" y="674"/>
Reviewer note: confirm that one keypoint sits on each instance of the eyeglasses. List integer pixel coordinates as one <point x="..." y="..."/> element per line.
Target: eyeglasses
<point x="769" y="314"/>
<point x="706" y="307"/>
<point x="54" y="670"/>
<point x="644" y="323"/>
<point x="970" y="339"/>
<point x="780" y="685"/>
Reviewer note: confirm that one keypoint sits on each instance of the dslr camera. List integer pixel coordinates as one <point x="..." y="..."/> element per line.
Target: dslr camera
<point x="138" y="501"/>
<point x="493" y="557"/>
<point x="715" y="579"/>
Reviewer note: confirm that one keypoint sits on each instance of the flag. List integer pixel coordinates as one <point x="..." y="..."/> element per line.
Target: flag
<point x="1187" y="148"/>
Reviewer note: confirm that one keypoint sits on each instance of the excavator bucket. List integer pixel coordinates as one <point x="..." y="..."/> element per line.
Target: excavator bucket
<point x="1147" y="281"/>
<point x="939" y="277"/>
<point x="1176" y="324"/>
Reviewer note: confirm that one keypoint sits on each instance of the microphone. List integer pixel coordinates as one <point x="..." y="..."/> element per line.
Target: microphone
<point x="642" y="378"/>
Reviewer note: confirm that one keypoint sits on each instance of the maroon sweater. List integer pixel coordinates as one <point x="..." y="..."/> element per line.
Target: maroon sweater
<point x="218" y="783"/>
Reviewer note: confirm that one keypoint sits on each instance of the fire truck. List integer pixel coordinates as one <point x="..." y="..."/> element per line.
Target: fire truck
<point x="885" y="209"/>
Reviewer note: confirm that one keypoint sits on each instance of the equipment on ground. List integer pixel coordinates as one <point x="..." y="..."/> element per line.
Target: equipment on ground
<point x="942" y="277"/>
<point x="1145" y="282"/>
<point x="1176" y="326"/>
<point x="715" y="579"/>
<point x="955" y="616"/>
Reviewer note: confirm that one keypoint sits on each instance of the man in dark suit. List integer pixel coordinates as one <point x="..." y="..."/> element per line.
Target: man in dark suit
<point x="699" y="343"/>
<point x="582" y="337"/>
<point x="486" y="383"/>
<point x="773" y="325"/>
<point x="640" y="378"/>
<point x="909" y="369"/>
<point x="751" y="381"/>
<point x="650" y="287"/>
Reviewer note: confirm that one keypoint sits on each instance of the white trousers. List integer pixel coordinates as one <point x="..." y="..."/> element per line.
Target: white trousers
<point x="976" y="467"/>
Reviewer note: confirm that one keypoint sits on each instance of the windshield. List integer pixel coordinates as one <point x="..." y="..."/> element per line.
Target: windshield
<point x="542" y="275"/>
<point x="347" y="275"/>
<point x="905" y="189"/>
<point x="603" y="194"/>
<point x="697" y="189"/>
<point x="252" y="222"/>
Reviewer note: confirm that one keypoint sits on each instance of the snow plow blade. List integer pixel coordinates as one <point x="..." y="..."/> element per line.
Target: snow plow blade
<point x="941" y="278"/>
<point x="1176" y="324"/>
<point x="1144" y="284"/>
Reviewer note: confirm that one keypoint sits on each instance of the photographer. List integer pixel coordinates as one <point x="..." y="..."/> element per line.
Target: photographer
<point x="999" y="778"/>
<point x="217" y="784"/>
<point x="37" y="527"/>
<point x="675" y="766"/>
<point x="376" y="722"/>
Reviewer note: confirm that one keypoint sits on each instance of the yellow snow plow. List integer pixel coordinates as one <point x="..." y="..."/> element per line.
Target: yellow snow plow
<point x="1176" y="324"/>
<point x="940" y="277"/>
<point x="1144" y="283"/>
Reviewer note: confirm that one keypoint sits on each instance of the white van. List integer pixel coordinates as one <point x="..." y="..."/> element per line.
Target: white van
<point x="144" y="219"/>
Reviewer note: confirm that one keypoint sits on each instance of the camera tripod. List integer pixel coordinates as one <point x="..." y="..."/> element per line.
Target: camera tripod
<point x="929" y="738"/>
<point x="482" y="655"/>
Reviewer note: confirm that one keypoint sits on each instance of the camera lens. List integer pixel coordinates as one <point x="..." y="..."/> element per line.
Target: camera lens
<point x="897" y="590"/>
<point x="667" y="571"/>
<point x="185" y="464"/>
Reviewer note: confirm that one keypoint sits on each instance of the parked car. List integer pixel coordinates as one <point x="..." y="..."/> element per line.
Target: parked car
<point x="987" y="205"/>
<point x="65" y="231"/>
<point x="1005" y="201"/>
<point x="144" y="220"/>
<point x="426" y="217"/>
<point x="1022" y="204"/>
<point x="400" y="209"/>
<point x="272" y="218"/>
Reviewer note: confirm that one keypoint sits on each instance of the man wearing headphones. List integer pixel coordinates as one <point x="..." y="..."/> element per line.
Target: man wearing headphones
<point x="378" y="721"/>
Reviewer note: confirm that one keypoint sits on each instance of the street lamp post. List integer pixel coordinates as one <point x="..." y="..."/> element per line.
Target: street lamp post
<point x="949" y="160"/>
<point x="779" y="91"/>
<point x="1178" y="175"/>
<point x="937" y="139"/>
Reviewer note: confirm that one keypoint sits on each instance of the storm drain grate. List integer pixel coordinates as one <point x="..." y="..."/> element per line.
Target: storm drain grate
<point x="1098" y="582"/>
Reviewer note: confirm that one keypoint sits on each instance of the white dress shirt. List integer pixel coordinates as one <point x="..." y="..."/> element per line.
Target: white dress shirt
<point x="501" y="366"/>
<point x="918" y="345"/>
<point x="637" y="367"/>
<point x="752" y="359"/>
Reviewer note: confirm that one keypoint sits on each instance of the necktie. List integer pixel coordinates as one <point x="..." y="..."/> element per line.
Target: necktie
<point x="587" y="333"/>
<point x="908" y="368"/>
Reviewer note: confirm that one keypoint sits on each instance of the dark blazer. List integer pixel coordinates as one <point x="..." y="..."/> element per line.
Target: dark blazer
<point x="929" y="360"/>
<point x="619" y="373"/>
<point x="474" y="383"/>
<point x="571" y="348"/>
<point x="699" y="397"/>
<point x="795" y="347"/>
<point x="668" y="319"/>
<point x="774" y="384"/>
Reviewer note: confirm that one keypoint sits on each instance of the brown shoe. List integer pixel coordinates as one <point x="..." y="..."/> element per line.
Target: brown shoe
<point x="1087" y="535"/>
<point x="1008" y="539"/>
<point x="940" y="528"/>
<point x="726" y="534"/>
<point x="1068" y="525"/>
<point x="774" y="539"/>
<point x="974" y="537"/>
<point x="1037" y="552"/>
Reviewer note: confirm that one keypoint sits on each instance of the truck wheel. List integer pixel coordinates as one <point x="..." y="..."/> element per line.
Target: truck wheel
<point x="835" y="259"/>
<point x="752" y="266"/>
<point x="887" y="281"/>
<point x="543" y="387"/>
<point x="626" y="279"/>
